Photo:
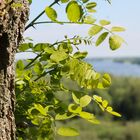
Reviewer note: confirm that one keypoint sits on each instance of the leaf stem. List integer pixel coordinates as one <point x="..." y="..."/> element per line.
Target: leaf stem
<point x="67" y="22"/>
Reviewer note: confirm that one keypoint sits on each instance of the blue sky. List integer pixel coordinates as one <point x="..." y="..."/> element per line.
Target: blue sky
<point x="120" y="12"/>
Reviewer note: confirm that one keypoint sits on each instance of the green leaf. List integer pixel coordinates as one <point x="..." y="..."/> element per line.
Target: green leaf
<point x="74" y="11"/>
<point x="110" y="110"/>
<point x="74" y="108"/>
<point x="115" y="113"/>
<point x="40" y="47"/>
<point x="91" y="5"/>
<point x="80" y="55"/>
<point x="101" y="38"/>
<point x="101" y="107"/>
<point x="89" y="74"/>
<point x="95" y="30"/>
<point x="30" y="1"/>
<point x="104" y="103"/>
<point x="84" y="1"/>
<point x="89" y="20"/>
<point x="64" y="116"/>
<point x="19" y="82"/>
<point x="85" y="100"/>
<point x="76" y="100"/>
<point x="67" y="131"/>
<point x="25" y="46"/>
<point x="59" y="56"/>
<point x="86" y="115"/>
<point x="117" y="29"/>
<point x="106" y="80"/>
<point x="38" y="68"/>
<point x="40" y="108"/>
<point x="51" y="13"/>
<point x="115" y="42"/>
<point x="48" y="49"/>
<point x="35" y="121"/>
<point x="97" y="98"/>
<point x="91" y="10"/>
<point x="104" y="22"/>
<point x="64" y="1"/>
<point x="94" y="121"/>
<point x="20" y="65"/>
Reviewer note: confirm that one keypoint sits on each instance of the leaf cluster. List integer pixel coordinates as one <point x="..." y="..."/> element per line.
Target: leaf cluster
<point x="44" y="83"/>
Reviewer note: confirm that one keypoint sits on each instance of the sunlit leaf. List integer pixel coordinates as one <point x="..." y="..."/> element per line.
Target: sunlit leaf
<point x="94" y="121"/>
<point x="95" y="30"/>
<point x="40" y="108"/>
<point x="85" y="100"/>
<point x="89" y="20"/>
<point x="25" y="46"/>
<point x="115" y="113"/>
<point x="20" y="65"/>
<point x="64" y="1"/>
<point x="67" y="131"/>
<point x="86" y="115"/>
<point x="74" y="108"/>
<point x="58" y="56"/>
<point x="104" y="103"/>
<point x="84" y="1"/>
<point x="106" y="80"/>
<point x="97" y="98"/>
<point x="91" y="5"/>
<point x="76" y="100"/>
<point x="74" y="11"/>
<point x="51" y="13"/>
<point x="80" y="55"/>
<point x="91" y="10"/>
<point x="104" y="22"/>
<point x="101" y="38"/>
<point x="115" y="42"/>
<point x="64" y="116"/>
<point x="117" y="29"/>
<point x="109" y="109"/>
<point x="101" y="107"/>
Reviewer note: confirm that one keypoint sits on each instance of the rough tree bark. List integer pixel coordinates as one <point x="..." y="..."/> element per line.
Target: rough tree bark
<point x="12" y="21"/>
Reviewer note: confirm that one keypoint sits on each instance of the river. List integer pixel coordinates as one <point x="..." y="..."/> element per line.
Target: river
<point x="115" y="68"/>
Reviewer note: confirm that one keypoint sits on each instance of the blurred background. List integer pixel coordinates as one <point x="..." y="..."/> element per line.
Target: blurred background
<point x="123" y="95"/>
<point x="123" y="65"/>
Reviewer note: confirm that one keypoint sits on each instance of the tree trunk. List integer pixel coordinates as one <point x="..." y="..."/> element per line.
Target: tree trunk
<point x="12" y="22"/>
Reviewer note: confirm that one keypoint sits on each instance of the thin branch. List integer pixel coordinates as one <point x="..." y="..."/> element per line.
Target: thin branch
<point x="35" y="19"/>
<point x="45" y="73"/>
<point x="65" y="22"/>
<point x="28" y="65"/>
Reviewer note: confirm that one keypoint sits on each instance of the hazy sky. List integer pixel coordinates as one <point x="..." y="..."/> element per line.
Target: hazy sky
<point x="120" y="12"/>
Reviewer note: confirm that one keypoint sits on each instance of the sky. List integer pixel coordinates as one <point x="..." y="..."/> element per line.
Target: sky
<point x="121" y="13"/>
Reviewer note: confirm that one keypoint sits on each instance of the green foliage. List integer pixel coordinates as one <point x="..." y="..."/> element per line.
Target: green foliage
<point x="117" y="29"/>
<point x="95" y="30"/>
<point x="67" y="131"/>
<point x="91" y="5"/>
<point x="74" y="11"/>
<point x="115" y="42"/>
<point x="51" y="13"/>
<point x="54" y="86"/>
<point x="104" y="22"/>
<point x="101" y="38"/>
